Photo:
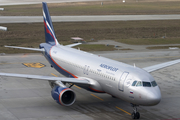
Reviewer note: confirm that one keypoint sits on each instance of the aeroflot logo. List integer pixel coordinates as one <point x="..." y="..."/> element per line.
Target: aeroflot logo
<point x="109" y="67"/>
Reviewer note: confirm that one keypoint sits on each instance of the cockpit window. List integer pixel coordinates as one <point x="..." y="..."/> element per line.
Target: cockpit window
<point x="134" y="83"/>
<point x="139" y="83"/>
<point x="146" y="84"/>
<point x="154" y="83"/>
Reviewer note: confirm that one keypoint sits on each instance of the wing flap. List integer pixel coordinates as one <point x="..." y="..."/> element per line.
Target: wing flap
<point x="160" y="66"/>
<point x="48" y="78"/>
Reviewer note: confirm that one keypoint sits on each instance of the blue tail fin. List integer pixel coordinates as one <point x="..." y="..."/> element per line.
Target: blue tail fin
<point x="48" y="27"/>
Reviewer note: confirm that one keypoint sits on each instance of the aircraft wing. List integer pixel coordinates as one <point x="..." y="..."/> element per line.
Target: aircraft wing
<point x="72" y="45"/>
<point x="48" y="78"/>
<point x="160" y="66"/>
<point x="25" y="48"/>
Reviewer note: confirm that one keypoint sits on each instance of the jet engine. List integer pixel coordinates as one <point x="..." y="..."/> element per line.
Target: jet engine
<point x="63" y="95"/>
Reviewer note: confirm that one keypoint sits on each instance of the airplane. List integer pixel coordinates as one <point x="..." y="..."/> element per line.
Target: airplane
<point x="93" y="73"/>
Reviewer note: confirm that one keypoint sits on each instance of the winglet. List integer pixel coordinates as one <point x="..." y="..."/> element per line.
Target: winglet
<point x="48" y="27"/>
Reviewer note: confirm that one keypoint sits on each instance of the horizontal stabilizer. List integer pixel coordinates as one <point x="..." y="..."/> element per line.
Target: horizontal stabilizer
<point x="72" y="45"/>
<point x="25" y="48"/>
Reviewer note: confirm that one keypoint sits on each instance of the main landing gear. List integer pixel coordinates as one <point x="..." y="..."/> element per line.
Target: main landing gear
<point x="135" y="114"/>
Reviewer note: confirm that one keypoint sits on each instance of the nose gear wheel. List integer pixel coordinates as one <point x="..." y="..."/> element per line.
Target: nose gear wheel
<point x="135" y="114"/>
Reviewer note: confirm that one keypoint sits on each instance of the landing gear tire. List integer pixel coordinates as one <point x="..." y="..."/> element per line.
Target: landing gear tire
<point x="135" y="115"/>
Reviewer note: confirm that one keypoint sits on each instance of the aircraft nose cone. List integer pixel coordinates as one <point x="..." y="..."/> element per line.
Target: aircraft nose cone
<point x="154" y="97"/>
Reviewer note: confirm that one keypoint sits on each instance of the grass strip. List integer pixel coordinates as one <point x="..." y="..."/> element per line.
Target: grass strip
<point x="129" y="32"/>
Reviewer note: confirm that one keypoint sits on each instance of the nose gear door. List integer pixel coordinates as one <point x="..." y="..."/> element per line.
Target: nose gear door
<point x="122" y="80"/>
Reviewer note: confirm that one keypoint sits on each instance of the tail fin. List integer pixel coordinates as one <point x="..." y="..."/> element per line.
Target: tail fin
<point x="48" y="27"/>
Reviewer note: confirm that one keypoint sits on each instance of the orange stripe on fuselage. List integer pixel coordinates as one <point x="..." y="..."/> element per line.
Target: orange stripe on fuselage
<point x="96" y="90"/>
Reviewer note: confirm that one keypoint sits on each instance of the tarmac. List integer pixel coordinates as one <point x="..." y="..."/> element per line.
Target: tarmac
<point x="86" y="18"/>
<point x="30" y="99"/>
<point x="24" y="2"/>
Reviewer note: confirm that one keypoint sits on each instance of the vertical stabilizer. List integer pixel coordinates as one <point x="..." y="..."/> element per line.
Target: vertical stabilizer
<point x="48" y="27"/>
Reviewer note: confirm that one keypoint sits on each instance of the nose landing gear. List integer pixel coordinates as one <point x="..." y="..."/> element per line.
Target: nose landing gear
<point x="135" y="114"/>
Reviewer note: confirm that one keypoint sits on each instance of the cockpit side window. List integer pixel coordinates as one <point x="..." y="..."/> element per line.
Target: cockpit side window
<point x="139" y="84"/>
<point x="154" y="83"/>
<point x="146" y="84"/>
<point x="134" y="83"/>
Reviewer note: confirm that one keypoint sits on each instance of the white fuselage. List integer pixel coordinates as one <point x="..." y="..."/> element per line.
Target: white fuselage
<point x="109" y="76"/>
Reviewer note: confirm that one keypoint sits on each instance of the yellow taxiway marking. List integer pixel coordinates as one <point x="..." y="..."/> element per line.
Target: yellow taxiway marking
<point x="54" y="75"/>
<point x="34" y="65"/>
<point x="77" y="86"/>
<point x="123" y="110"/>
<point x="97" y="97"/>
<point x="74" y="85"/>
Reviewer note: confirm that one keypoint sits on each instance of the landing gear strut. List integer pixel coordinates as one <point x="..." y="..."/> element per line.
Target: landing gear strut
<point x="135" y="114"/>
<point x="71" y="85"/>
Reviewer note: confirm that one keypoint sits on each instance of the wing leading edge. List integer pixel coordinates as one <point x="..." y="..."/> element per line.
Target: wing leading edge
<point x="160" y="66"/>
<point x="48" y="78"/>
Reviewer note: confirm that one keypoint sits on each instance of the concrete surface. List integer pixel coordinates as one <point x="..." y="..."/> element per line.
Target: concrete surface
<point x="127" y="47"/>
<point x="23" y="2"/>
<point x="23" y="99"/>
<point x="33" y="19"/>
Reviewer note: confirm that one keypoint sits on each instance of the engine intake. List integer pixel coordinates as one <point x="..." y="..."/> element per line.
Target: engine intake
<point x="63" y="95"/>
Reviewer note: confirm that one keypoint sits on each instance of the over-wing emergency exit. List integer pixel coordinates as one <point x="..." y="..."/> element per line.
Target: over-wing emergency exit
<point x="94" y="73"/>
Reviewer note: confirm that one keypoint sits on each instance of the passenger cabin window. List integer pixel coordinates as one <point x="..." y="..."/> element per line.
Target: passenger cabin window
<point x="146" y="84"/>
<point x="154" y="83"/>
<point x="139" y="84"/>
<point x="134" y="83"/>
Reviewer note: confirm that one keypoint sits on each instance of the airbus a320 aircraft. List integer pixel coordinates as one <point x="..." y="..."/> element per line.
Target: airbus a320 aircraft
<point x="94" y="73"/>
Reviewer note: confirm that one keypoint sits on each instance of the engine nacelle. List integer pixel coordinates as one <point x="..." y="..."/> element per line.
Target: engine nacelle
<point x="63" y="95"/>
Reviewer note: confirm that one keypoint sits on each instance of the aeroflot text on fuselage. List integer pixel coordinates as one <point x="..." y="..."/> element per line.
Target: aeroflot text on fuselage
<point x="109" y="67"/>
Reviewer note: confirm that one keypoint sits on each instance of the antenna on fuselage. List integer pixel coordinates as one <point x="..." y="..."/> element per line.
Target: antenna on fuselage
<point x="134" y="65"/>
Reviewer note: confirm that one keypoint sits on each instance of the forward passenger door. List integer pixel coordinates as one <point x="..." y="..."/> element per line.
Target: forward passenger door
<point x="122" y="80"/>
